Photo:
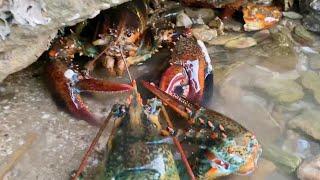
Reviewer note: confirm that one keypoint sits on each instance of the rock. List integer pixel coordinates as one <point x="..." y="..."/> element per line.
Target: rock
<point x="261" y="35"/>
<point x="282" y="90"/>
<point x="292" y="15"/>
<point x="259" y="17"/>
<point x="312" y="22"/>
<point x="301" y="35"/>
<point x="310" y="169"/>
<point x="203" y="13"/>
<point x="204" y="33"/>
<point x="240" y="43"/>
<point x="263" y="2"/>
<point x="217" y="24"/>
<point x="314" y="61"/>
<point x="223" y="39"/>
<point x="284" y="160"/>
<point x="183" y="20"/>
<point x="32" y="21"/>
<point x="232" y="25"/>
<point x="308" y="123"/>
<point x="311" y="80"/>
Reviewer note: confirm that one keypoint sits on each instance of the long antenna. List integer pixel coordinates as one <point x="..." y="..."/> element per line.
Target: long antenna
<point x="125" y="63"/>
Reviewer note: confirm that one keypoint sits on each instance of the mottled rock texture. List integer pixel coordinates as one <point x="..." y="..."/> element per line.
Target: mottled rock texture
<point x="28" y="26"/>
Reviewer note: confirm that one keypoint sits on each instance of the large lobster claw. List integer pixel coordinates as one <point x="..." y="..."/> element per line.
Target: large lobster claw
<point x="190" y="64"/>
<point x="66" y="86"/>
<point x="226" y="147"/>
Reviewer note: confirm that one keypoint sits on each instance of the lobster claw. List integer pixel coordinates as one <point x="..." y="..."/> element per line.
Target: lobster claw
<point x="190" y="66"/>
<point x="226" y="146"/>
<point x="66" y="87"/>
<point x="177" y="103"/>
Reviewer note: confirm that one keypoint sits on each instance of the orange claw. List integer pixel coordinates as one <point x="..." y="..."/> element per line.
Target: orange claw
<point x="187" y="72"/>
<point x="68" y="92"/>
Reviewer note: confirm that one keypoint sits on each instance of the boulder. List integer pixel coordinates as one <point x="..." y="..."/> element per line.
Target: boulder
<point x="28" y="26"/>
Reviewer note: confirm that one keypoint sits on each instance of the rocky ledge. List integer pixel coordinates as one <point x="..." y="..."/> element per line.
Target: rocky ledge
<point x="28" y="26"/>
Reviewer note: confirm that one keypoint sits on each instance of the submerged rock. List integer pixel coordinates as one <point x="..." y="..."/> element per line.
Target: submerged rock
<point x="314" y="61"/>
<point x="282" y="90"/>
<point x="311" y="80"/>
<point x="284" y="160"/>
<point x="223" y="39"/>
<point x="261" y="35"/>
<point x="301" y="35"/>
<point x="310" y="169"/>
<point x="308" y="123"/>
<point x="240" y="43"/>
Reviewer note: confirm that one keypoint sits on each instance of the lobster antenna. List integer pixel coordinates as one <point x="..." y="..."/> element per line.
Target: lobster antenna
<point x="125" y="63"/>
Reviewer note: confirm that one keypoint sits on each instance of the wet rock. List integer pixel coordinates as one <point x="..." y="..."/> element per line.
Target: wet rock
<point x="261" y="35"/>
<point x="307" y="123"/>
<point x="204" y="33"/>
<point x="203" y="13"/>
<point x="284" y="160"/>
<point x="38" y="21"/>
<point x="232" y="25"/>
<point x="311" y="80"/>
<point x="312" y="22"/>
<point x="264" y="170"/>
<point x="297" y="145"/>
<point x="183" y="20"/>
<point x="223" y="39"/>
<point x="314" y="61"/>
<point x="282" y="90"/>
<point x="292" y="15"/>
<point x="240" y="43"/>
<point x="301" y="35"/>
<point x="217" y="24"/>
<point x="310" y="169"/>
<point x="263" y="2"/>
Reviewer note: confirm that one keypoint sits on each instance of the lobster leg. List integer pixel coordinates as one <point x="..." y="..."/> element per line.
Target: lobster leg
<point x="67" y="89"/>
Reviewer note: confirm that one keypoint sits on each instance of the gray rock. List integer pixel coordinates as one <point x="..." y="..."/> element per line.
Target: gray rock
<point x="314" y="61"/>
<point x="240" y="43"/>
<point x="223" y="39"/>
<point x="292" y="15"/>
<point x="284" y="160"/>
<point x="308" y="123"/>
<point x="282" y="90"/>
<point x="183" y="20"/>
<point x="28" y="26"/>
<point x="309" y="170"/>
<point x="205" y="14"/>
<point x="311" y="80"/>
<point x="232" y="25"/>
<point x="204" y="33"/>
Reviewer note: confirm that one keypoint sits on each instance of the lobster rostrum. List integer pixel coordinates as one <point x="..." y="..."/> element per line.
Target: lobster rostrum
<point x="224" y="146"/>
